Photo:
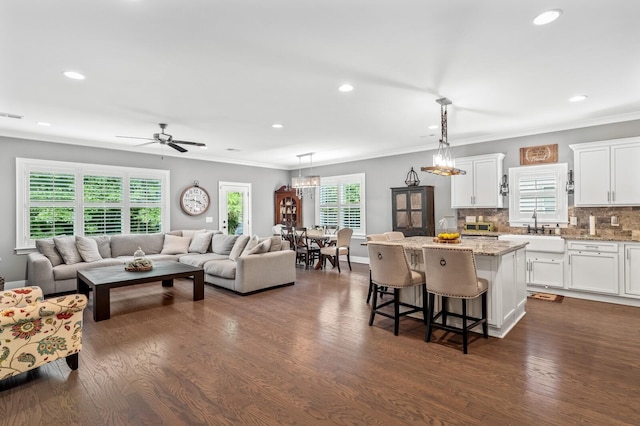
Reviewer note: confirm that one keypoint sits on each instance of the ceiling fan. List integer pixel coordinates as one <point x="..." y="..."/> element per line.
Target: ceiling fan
<point x="165" y="139"/>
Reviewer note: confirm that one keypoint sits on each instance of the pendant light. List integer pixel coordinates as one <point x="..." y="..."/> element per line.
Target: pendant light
<point x="302" y="183"/>
<point x="443" y="161"/>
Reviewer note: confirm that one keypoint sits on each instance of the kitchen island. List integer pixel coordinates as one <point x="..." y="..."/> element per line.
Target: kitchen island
<point x="502" y="263"/>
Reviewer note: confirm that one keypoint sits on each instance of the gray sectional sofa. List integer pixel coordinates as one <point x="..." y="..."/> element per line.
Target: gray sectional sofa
<point x="242" y="264"/>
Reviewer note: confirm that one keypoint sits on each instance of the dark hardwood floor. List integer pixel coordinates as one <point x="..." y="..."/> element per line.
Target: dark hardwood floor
<point x="306" y="355"/>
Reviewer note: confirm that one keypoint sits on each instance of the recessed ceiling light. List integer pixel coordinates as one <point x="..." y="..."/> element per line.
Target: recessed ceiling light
<point x="547" y="17"/>
<point x="578" y="98"/>
<point x="74" y="75"/>
<point x="433" y="126"/>
<point x="42" y="123"/>
<point x="345" y="88"/>
<point x="277" y="126"/>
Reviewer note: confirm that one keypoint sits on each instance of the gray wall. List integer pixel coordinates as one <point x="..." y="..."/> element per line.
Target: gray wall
<point x="264" y="182"/>
<point x="384" y="173"/>
<point x="381" y="174"/>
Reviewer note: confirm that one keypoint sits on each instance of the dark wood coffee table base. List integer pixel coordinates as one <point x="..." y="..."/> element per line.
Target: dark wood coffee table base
<point x="102" y="280"/>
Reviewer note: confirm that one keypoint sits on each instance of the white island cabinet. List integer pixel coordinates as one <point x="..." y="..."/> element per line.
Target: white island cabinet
<point x="502" y="263"/>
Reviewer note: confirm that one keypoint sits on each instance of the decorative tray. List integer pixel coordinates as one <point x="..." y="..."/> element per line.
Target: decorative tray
<point x="138" y="265"/>
<point x="443" y="241"/>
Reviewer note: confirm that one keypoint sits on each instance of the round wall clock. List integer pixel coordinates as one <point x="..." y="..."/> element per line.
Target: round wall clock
<point x="194" y="200"/>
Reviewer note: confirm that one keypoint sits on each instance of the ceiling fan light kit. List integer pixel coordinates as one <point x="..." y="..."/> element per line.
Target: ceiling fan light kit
<point x="166" y="139"/>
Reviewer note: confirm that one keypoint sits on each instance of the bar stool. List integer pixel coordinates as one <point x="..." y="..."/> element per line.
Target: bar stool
<point x="394" y="235"/>
<point x="451" y="272"/>
<point x="374" y="237"/>
<point x="390" y="268"/>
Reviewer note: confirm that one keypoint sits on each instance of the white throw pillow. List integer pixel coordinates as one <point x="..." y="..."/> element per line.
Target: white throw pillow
<point x="88" y="248"/>
<point x="200" y="242"/>
<point x="175" y="245"/>
<point x="66" y="246"/>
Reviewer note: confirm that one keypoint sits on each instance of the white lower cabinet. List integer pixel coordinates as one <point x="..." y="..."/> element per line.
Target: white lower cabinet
<point x="593" y="267"/>
<point x="632" y="270"/>
<point x="545" y="269"/>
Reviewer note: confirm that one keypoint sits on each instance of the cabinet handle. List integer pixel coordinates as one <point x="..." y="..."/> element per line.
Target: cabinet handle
<point x="627" y="254"/>
<point x="613" y="196"/>
<point x="608" y="196"/>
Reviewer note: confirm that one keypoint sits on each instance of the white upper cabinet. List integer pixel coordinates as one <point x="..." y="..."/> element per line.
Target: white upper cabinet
<point x="607" y="172"/>
<point x="479" y="188"/>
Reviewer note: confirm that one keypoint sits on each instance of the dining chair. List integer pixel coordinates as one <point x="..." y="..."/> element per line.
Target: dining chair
<point x="341" y="248"/>
<point x="390" y="268"/>
<point x="288" y="234"/>
<point x="451" y="273"/>
<point x="394" y="235"/>
<point x="374" y="237"/>
<point x="331" y="229"/>
<point x="305" y="251"/>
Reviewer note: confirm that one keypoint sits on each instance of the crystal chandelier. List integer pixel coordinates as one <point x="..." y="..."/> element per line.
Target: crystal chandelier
<point x="302" y="183"/>
<point x="443" y="161"/>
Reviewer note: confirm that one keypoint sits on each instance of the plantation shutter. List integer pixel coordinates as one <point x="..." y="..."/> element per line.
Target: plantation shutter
<point x="145" y="198"/>
<point x="102" y="205"/>
<point x="51" y="204"/>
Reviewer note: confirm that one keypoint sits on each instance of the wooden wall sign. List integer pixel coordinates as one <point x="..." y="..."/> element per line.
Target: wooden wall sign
<point x="539" y="154"/>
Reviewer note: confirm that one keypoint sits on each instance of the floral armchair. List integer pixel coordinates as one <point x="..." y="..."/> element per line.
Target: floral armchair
<point x="34" y="331"/>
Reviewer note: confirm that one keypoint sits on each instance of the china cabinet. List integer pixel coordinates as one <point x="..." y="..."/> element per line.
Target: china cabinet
<point x="412" y="210"/>
<point x="288" y="207"/>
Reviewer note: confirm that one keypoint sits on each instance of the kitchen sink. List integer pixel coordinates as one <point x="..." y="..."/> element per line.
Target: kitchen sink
<point x="545" y="243"/>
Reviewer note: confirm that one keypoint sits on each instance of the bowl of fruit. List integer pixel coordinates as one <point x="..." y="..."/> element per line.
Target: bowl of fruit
<point x="448" y="237"/>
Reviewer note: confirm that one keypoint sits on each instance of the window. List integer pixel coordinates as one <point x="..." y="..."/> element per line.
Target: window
<point x="342" y="202"/>
<point x="539" y="189"/>
<point x="59" y="198"/>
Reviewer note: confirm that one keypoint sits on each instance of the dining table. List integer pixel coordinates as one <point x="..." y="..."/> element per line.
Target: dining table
<point x="322" y="239"/>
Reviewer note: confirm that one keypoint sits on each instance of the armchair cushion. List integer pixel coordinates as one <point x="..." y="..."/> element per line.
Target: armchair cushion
<point x="38" y="332"/>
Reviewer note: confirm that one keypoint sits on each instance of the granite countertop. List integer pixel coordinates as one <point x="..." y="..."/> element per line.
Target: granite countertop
<point x="587" y="237"/>
<point x="479" y="247"/>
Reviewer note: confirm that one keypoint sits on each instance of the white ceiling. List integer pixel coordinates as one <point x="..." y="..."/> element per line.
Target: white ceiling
<point x="222" y="72"/>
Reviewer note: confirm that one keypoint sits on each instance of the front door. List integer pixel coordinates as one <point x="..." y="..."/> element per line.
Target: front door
<point x="235" y="208"/>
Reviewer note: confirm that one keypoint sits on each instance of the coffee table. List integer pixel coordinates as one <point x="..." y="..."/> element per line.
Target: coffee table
<point x="102" y="280"/>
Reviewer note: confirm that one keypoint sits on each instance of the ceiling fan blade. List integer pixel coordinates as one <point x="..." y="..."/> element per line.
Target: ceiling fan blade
<point x="189" y="143"/>
<point x="147" y="143"/>
<point x="135" y="137"/>
<point x="176" y="147"/>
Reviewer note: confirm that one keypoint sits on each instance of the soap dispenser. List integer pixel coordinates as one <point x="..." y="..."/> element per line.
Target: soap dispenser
<point x="557" y="229"/>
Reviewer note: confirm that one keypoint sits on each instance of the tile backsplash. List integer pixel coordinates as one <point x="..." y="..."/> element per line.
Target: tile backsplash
<point x="628" y="221"/>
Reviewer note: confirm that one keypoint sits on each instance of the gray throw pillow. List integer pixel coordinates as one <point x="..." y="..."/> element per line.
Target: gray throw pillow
<point x="200" y="242"/>
<point x="88" y="248"/>
<point x="175" y="245"/>
<point x="222" y="244"/>
<point x="104" y="245"/>
<point x="253" y="241"/>
<point x="67" y="248"/>
<point x="263" y="247"/>
<point x="47" y="247"/>
<point x="276" y="243"/>
<point x="238" y="247"/>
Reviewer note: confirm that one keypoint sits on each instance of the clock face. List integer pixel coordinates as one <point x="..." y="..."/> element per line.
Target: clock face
<point x="194" y="200"/>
